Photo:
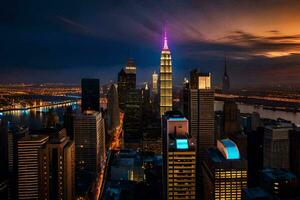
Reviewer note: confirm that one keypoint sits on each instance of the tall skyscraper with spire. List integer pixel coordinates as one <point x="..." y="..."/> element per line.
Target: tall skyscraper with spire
<point x="165" y="78"/>
<point x="226" y="81"/>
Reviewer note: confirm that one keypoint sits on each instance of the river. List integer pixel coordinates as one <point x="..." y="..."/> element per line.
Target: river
<point x="35" y="118"/>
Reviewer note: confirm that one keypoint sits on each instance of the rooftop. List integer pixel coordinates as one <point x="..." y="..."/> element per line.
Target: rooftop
<point x="279" y="174"/>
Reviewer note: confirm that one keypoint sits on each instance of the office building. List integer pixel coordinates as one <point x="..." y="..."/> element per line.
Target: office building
<point x="185" y="98"/>
<point x="155" y="83"/>
<point x="276" y="146"/>
<point x="179" y="158"/>
<point x="294" y="149"/>
<point x="130" y="70"/>
<point x="255" y="157"/>
<point x="280" y="183"/>
<point x="133" y="119"/>
<point x="113" y="112"/>
<point x="165" y="79"/>
<point x="90" y="95"/>
<point x="231" y="119"/>
<point x="201" y="108"/>
<point x="68" y="122"/>
<point x="226" y="80"/>
<point x="90" y="156"/>
<point x="224" y="172"/>
<point x="122" y="88"/>
<point x="61" y="163"/>
<point x="33" y="167"/>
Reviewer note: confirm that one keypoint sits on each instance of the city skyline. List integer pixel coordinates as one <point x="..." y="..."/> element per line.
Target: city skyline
<point x="260" y="39"/>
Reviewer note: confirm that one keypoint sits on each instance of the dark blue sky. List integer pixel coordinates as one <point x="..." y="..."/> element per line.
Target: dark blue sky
<point x="63" y="41"/>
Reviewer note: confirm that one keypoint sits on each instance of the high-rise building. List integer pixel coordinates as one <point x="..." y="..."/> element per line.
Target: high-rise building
<point x="201" y="111"/>
<point x="89" y="147"/>
<point x="90" y="95"/>
<point x="224" y="172"/>
<point x="231" y="119"/>
<point x="132" y="119"/>
<point x="226" y="81"/>
<point x="15" y="133"/>
<point x="113" y="111"/>
<point x="165" y="78"/>
<point x="185" y="98"/>
<point x="201" y="116"/>
<point x="155" y="83"/>
<point x="294" y="145"/>
<point x="255" y="142"/>
<point x="122" y="88"/>
<point x="179" y="158"/>
<point x="276" y="146"/>
<point x="62" y="163"/>
<point x="280" y="183"/>
<point x="68" y="122"/>
<point x="130" y="70"/>
<point x="33" y="167"/>
<point x="126" y="81"/>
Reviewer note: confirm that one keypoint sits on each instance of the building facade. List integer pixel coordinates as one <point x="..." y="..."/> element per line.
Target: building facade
<point x="89" y="147"/>
<point x="165" y="79"/>
<point x="33" y="167"/>
<point x="90" y="95"/>
<point x="179" y="158"/>
<point x="224" y="172"/>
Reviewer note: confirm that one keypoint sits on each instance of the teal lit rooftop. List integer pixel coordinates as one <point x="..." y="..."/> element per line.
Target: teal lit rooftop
<point x="229" y="149"/>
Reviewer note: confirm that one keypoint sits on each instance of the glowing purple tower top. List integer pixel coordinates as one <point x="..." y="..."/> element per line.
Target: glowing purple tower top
<point x="165" y="41"/>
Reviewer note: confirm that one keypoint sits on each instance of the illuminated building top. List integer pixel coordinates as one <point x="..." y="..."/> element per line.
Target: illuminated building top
<point x="165" y="78"/>
<point x="228" y="149"/>
<point x="204" y="81"/>
<point x="130" y="67"/>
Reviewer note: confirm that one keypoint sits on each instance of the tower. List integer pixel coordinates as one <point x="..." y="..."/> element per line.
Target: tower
<point x="155" y="83"/>
<point x="225" y="172"/>
<point x="226" y="81"/>
<point x="33" y="167"/>
<point x="89" y="137"/>
<point x="90" y="94"/>
<point x="179" y="158"/>
<point x="165" y="78"/>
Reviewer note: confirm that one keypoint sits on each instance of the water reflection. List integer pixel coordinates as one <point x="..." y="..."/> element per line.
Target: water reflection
<point x="270" y="114"/>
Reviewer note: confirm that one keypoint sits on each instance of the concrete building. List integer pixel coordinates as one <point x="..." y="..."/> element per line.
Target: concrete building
<point x="179" y="158"/>
<point x="33" y="167"/>
<point x="89" y="147"/>
<point x="225" y="172"/>
<point x="276" y="146"/>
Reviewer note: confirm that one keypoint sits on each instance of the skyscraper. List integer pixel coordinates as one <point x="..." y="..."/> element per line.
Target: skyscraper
<point x="89" y="147"/>
<point x="113" y="111"/>
<point x="130" y="70"/>
<point x="33" y="167"/>
<point x="201" y="116"/>
<point x="224" y="172"/>
<point x="226" y="81"/>
<point x="185" y="97"/>
<point x="62" y="163"/>
<point x="201" y="111"/>
<point x="231" y="119"/>
<point x="155" y="83"/>
<point x="276" y="146"/>
<point x="122" y="88"/>
<point x="165" y="78"/>
<point x="133" y="119"/>
<point x="179" y="158"/>
<point x="90" y="95"/>
<point x="126" y="81"/>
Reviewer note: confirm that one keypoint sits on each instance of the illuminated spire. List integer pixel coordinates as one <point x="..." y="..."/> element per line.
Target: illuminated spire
<point x="166" y="40"/>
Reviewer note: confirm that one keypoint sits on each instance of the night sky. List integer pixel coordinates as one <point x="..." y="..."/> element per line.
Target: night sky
<point x="63" y="41"/>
